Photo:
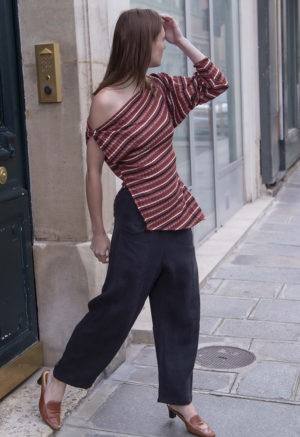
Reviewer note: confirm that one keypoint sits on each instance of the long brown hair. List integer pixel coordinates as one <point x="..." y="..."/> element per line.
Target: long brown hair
<point x="130" y="54"/>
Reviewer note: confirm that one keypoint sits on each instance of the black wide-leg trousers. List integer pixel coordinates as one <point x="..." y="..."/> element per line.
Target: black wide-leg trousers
<point x="161" y="265"/>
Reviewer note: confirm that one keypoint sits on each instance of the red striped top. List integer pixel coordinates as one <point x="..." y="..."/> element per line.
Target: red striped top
<point x="137" y="144"/>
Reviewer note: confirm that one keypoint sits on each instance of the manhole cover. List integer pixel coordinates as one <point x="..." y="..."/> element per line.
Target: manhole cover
<point x="224" y="357"/>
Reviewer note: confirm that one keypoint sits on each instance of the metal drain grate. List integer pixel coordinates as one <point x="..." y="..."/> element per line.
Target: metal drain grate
<point x="224" y="357"/>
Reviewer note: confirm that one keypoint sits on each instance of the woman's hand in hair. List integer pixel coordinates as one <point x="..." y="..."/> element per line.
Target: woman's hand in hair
<point x="173" y="33"/>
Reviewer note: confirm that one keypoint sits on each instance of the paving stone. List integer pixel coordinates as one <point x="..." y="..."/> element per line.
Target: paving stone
<point x="128" y="372"/>
<point x="210" y="286"/>
<point x="269" y="380"/>
<point x="259" y="329"/>
<point x="213" y="340"/>
<point x="248" y="289"/>
<point x="295" y="220"/>
<point x="277" y="351"/>
<point x="219" y="306"/>
<point x="272" y="237"/>
<point x="133" y="411"/>
<point x="294" y="177"/>
<point x="270" y="261"/>
<point x="146" y="357"/>
<point x="272" y="249"/>
<point x="286" y="228"/>
<point x="266" y="274"/>
<point x="142" y="336"/>
<point x="213" y="380"/>
<point x="95" y="398"/>
<point x="287" y="209"/>
<point x="277" y="218"/>
<point x="280" y="310"/>
<point x="289" y="195"/>
<point x="209" y="324"/>
<point x="144" y="375"/>
<point x="291" y="291"/>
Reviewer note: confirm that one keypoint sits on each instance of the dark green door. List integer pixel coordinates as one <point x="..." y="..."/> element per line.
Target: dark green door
<point x="18" y="314"/>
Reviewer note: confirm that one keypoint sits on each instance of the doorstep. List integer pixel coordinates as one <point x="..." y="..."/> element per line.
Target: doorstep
<point x="209" y="255"/>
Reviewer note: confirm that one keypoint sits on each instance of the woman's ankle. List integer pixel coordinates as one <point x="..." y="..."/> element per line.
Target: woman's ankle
<point x="187" y="410"/>
<point x="56" y="381"/>
<point x="181" y="405"/>
<point x="57" y="385"/>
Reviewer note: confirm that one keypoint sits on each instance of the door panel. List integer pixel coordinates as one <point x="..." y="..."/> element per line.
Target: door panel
<point x="18" y="324"/>
<point x="18" y="313"/>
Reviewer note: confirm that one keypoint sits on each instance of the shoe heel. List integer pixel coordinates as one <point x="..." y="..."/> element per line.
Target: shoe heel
<point x="171" y="414"/>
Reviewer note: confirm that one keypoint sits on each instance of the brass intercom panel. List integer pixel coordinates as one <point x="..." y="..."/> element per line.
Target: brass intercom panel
<point x="48" y="72"/>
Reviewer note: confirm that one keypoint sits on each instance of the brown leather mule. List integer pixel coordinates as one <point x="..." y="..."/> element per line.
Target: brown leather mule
<point x="195" y="425"/>
<point x="50" y="411"/>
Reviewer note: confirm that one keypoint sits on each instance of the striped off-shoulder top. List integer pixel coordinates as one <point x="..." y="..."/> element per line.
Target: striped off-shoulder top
<point x="137" y="144"/>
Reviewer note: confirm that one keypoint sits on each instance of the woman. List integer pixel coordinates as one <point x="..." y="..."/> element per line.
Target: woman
<point x="130" y="126"/>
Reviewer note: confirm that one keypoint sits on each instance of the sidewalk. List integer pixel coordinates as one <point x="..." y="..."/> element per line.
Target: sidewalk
<point x="250" y="301"/>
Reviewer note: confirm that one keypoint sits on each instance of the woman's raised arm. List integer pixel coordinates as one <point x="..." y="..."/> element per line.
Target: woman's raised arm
<point x="174" y="36"/>
<point x="184" y="93"/>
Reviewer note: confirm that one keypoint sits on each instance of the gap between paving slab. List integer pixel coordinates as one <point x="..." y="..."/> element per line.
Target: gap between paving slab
<point x="209" y="255"/>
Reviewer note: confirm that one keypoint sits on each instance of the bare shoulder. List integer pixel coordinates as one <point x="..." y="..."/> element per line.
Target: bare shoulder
<point x="103" y="107"/>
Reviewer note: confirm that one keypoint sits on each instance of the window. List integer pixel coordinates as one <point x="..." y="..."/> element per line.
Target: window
<point x="208" y="144"/>
<point x="227" y="106"/>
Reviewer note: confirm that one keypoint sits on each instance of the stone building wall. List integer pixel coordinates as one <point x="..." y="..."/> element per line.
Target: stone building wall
<point x="67" y="273"/>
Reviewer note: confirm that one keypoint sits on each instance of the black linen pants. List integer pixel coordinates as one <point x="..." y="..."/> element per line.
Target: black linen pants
<point x="161" y="265"/>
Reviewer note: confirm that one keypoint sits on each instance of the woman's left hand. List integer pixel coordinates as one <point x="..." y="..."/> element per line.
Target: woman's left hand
<point x="173" y="33"/>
